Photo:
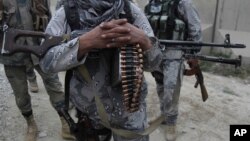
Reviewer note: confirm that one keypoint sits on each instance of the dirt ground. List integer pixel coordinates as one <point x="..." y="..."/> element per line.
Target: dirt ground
<point x="228" y="104"/>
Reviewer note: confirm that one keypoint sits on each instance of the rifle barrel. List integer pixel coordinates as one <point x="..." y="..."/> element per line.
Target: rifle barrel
<point x="236" y="62"/>
<point x="193" y="43"/>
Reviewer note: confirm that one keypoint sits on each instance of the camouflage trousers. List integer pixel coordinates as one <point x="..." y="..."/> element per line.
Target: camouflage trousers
<point x="168" y="82"/>
<point x="31" y="75"/>
<point x="17" y="77"/>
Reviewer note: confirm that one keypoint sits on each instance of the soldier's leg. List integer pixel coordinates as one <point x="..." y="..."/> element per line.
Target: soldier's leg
<point x="18" y="81"/>
<point x="160" y="88"/>
<point x="31" y="76"/>
<point x="54" y="89"/>
<point x="173" y="71"/>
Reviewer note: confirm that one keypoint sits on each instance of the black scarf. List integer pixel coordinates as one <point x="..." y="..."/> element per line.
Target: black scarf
<point x="94" y="12"/>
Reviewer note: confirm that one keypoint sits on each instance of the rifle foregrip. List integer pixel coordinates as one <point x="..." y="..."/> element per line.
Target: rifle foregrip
<point x="204" y="93"/>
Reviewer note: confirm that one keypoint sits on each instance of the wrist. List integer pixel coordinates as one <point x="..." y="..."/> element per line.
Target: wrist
<point x="146" y="44"/>
<point x="84" y="46"/>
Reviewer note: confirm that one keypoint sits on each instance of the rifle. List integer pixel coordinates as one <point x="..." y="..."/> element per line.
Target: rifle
<point x="190" y="45"/>
<point x="198" y="73"/>
<point x="9" y="46"/>
<point x="9" y="36"/>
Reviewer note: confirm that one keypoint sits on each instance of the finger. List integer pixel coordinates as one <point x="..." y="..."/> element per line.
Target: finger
<point x="119" y="21"/>
<point x="112" y="35"/>
<point x="112" y="24"/>
<point x="107" y="25"/>
<point x="115" y="45"/>
<point x="119" y="29"/>
<point x="123" y="39"/>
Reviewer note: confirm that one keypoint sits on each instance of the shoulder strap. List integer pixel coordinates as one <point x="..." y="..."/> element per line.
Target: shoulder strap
<point x="73" y="20"/>
<point x="68" y="76"/>
<point x="172" y="17"/>
<point x="72" y="14"/>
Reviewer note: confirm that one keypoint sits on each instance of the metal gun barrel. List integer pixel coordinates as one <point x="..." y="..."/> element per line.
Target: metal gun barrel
<point x="236" y="62"/>
<point x="193" y="43"/>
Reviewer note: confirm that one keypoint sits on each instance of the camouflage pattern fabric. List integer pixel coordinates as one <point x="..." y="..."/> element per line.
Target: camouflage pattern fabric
<point x="64" y="57"/>
<point x="17" y="77"/>
<point x="170" y="73"/>
<point x="18" y="15"/>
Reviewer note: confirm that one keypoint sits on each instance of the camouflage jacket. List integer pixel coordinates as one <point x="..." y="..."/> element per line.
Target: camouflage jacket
<point x="191" y="17"/>
<point x="17" y="14"/>
<point x="189" y="14"/>
<point x="64" y="57"/>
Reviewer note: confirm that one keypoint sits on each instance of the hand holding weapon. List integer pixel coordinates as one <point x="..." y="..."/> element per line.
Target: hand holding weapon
<point x="8" y="38"/>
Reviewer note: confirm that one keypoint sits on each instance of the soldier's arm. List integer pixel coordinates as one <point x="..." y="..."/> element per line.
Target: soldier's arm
<point x="63" y="56"/>
<point x="190" y="15"/>
<point x="153" y="56"/>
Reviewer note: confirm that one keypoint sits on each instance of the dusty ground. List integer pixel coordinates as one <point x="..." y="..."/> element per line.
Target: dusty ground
<point x="228" y="104"/>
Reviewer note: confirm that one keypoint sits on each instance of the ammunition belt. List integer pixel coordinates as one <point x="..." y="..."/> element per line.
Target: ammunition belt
<point x="131" y="62"/>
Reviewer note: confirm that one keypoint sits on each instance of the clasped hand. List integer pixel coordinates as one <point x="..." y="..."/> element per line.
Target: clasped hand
<point x="115" y="33"/>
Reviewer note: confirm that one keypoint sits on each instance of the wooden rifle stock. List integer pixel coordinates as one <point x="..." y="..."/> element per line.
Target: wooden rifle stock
<point x="195" y="70"/>
<point x="200" y="81"/>
<point x="10" y="45"/>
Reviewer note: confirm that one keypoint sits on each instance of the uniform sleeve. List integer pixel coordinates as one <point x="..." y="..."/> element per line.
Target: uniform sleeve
<point x="190" y="15"/>
<point x="63" y="56"/>
<point x="153" y="56"/>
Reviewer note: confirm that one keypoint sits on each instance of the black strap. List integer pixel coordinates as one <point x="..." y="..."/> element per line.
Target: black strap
<point x="173" y="14"/>
<point x="72" y="14"/>
<point x="68" y="76"/>
<point x="174" y="9"/>
<point x="73" y="20"/>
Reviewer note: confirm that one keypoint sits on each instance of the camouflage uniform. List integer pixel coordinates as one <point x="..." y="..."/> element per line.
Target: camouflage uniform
<point x="169" y="76"/>
<point x="64" y="57"/>
<point x="59" y="3"/>
<point x="17" y="14"/>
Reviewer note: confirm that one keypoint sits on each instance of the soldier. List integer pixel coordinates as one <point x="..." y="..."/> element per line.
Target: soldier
<point x="178" y="20"/>
<point x="99" y="35"/>
<point x="18" y="14"/>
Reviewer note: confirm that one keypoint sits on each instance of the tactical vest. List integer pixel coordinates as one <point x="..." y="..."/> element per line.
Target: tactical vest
<point x="164" y="19"/>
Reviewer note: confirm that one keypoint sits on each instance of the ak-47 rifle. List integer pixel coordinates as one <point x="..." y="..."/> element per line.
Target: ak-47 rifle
<point x="190" y="45"/>
<point x="9" y="36"/>
<point x="9" y="46"/>
<point x="198" y="73"/>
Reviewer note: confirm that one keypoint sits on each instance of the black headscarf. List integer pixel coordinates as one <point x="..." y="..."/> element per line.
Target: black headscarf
<point x="94" y="12"/>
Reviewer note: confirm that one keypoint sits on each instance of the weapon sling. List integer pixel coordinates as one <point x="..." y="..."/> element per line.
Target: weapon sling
<point x="104" y="116"/>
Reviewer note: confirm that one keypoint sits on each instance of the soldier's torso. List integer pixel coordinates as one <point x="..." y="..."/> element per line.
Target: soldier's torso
<point x="17" y="14"/>
<point x="166" y="23"/>
<point x="159" y="15"/>
<point x="100" y="65"/>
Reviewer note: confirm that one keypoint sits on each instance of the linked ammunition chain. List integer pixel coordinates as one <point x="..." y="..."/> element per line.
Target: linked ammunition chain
<point x="131" y="76"/>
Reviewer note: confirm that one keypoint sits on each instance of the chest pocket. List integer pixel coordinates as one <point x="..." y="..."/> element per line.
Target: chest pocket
<point x="24" y="14"/>
<point x="165" y="21"/>
<point x="10" y="8"/>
